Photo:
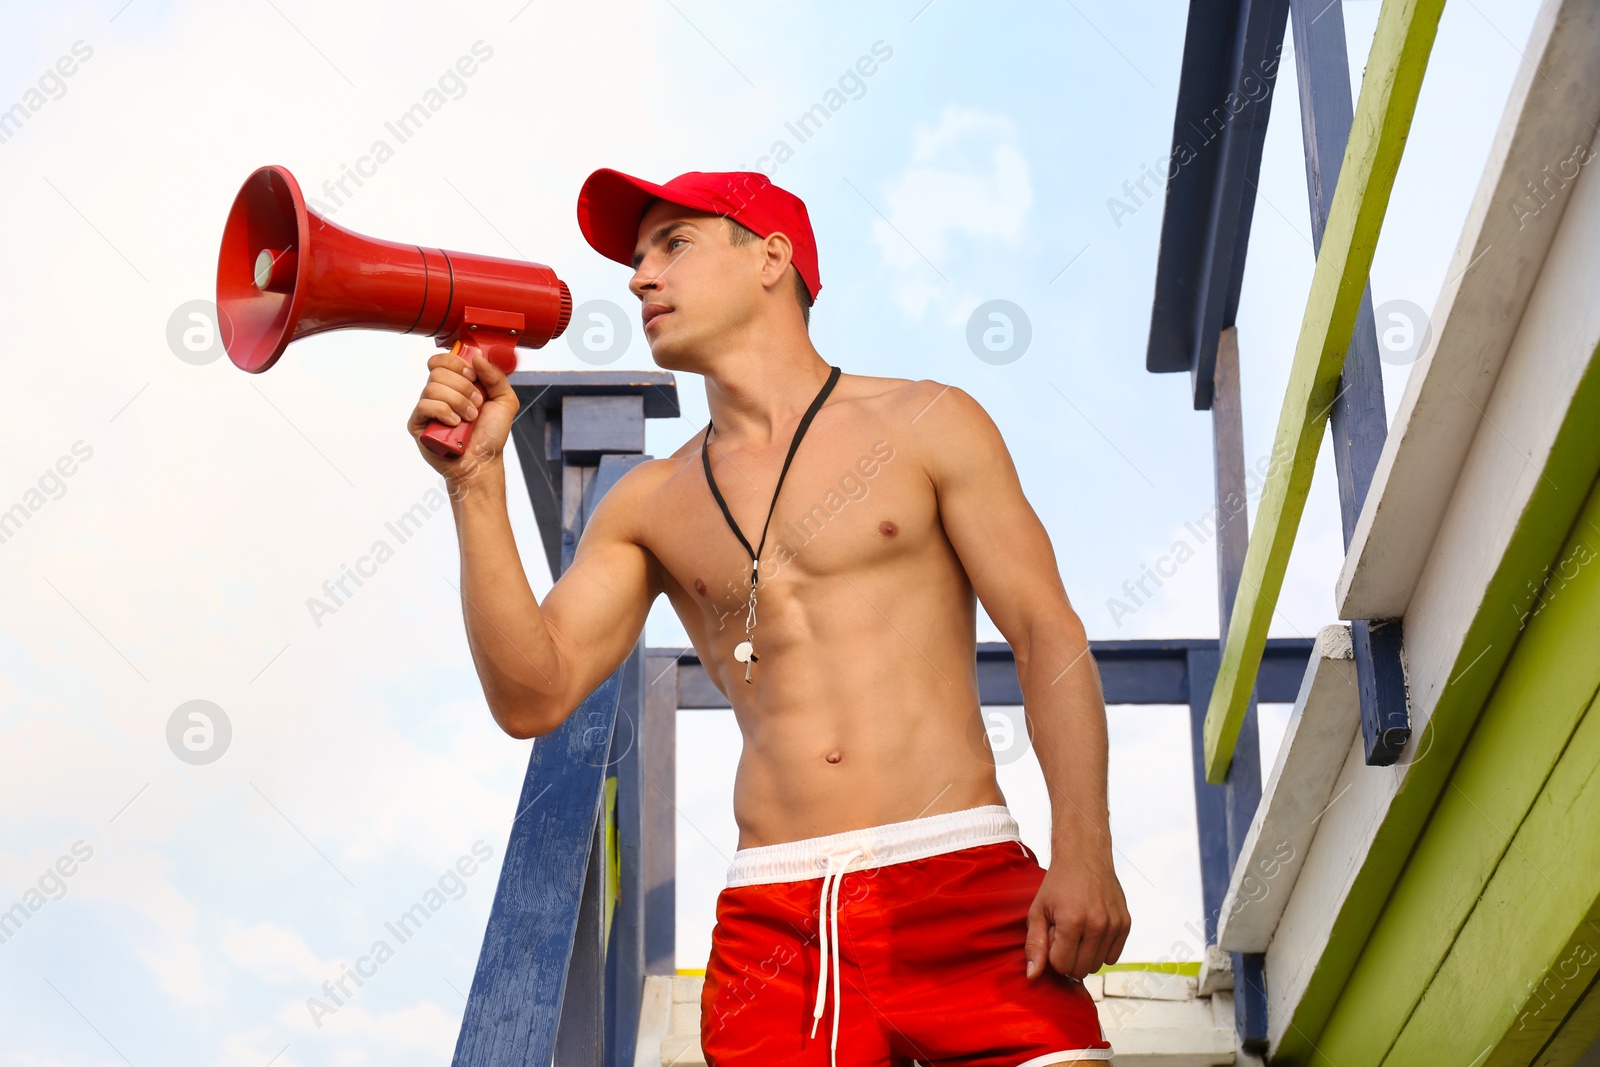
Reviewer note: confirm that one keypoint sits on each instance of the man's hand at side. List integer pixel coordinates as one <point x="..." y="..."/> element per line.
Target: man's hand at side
<point x="1079" y="919"/>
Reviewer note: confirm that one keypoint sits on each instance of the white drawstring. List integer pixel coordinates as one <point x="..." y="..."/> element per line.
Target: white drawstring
<point x="834" y="877"/>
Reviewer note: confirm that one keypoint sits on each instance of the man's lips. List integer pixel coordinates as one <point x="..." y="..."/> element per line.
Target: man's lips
<point x="654" y="311"/>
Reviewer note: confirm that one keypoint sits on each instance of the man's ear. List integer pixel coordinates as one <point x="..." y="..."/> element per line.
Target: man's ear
<point x="779" y="252"/>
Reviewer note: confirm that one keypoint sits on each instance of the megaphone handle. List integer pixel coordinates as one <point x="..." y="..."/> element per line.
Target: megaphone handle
<point x="450" y="441"/>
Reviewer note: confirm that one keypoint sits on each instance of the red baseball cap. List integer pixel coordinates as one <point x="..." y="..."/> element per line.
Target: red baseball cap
<point x="611" y="203"/>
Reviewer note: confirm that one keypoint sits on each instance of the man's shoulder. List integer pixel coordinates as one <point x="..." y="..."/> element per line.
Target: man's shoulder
<point x="938" y="407"/>
<point x="872" y="386"/>
<point x="634" y="493"/>
<point x="908" y="398"/>
<point x="653" y="473"/>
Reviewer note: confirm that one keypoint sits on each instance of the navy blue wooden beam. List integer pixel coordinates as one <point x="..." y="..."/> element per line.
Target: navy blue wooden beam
<point x="658" y="746"/>
<point x="548" y="963"/>
<point x="1359" y="424"/>
<point x="625" y="949"/>
<point x="1241" y="790"/>
<point x="1210" y="801"/>
<point x="580" y="1034"/>
<point x="1230" y="64"/>
<point x="521" y="978"/>
<point x="1131" y="672"/>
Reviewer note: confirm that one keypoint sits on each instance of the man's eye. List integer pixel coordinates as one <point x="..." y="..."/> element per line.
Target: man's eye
<point x="672" y="241"/>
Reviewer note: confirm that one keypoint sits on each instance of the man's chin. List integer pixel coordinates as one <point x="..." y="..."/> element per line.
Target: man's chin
<point x="671" y="355"/>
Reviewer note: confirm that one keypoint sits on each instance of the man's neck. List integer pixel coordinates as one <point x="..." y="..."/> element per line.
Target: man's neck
<point x="758" y="402"/>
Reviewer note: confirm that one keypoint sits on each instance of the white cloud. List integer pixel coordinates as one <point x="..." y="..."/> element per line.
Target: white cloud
<point x="418" y="1028"/>
<point x="276" y="955"/>
<point x="966" y="179"/>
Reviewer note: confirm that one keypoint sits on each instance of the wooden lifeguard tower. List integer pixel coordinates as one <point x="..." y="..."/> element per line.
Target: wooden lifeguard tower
<point x="1417" y="879"/>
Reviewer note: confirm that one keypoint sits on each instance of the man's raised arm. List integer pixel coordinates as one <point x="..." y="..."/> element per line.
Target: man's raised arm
<point x="536" y="664"/>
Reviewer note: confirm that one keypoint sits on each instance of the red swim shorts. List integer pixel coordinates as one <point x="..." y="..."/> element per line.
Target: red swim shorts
<point x="886" y="946"/>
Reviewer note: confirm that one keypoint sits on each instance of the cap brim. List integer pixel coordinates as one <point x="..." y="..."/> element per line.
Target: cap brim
<point x="610" y="205"/>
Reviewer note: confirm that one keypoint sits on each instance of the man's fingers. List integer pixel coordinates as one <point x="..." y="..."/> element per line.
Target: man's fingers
<point x="448" y="360"/>
<point x="1037" y="944"/>
<point x="1093" y="934"/>
<point x="1114" y="953"/>
<point x="1119" y="936"/>
<point x="1091" y="954"/>
<point x="462" y="405"/>
<point x="451" y="373"/>
<point x="1075" y="947"/>
<point x="492" y="379"/>
<point x="1064" y="945"/>
<point x="428" y="411"/>
<point x="454" y="379"/>
<point x="1075" y="941"/>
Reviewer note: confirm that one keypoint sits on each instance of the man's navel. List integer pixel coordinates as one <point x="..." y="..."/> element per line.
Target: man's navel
<point x="834" y="757"/>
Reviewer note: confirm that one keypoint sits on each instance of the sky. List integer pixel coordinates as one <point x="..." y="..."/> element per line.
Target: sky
<point x="193" y="895"/>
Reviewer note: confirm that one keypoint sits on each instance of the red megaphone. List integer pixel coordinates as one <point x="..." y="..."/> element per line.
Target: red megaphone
<point x="286" y="272"/>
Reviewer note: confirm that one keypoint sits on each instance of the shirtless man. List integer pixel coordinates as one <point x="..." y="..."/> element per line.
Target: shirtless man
<point x="874" y="845"/>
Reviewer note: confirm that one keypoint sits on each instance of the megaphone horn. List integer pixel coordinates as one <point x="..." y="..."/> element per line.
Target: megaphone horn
<point x="285" y="272"/>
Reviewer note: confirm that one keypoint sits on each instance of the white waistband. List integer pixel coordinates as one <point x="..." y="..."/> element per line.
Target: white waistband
<point x="895" y="842"/>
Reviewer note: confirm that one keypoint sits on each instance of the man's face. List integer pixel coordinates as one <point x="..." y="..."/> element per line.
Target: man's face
<point x="685" y="263"/>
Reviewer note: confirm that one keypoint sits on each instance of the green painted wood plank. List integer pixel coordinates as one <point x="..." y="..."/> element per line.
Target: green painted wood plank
<point x="1528" y="952"/>
<point x="1543" y="692"/>
<point x="1389" y="88"/>
<point x="1541" y="530"/>
<point x="1188" y="967"/>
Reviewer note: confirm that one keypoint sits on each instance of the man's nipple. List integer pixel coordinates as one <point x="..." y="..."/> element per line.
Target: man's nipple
<point x="700" y="586"/>
<point x="887" y="528"/>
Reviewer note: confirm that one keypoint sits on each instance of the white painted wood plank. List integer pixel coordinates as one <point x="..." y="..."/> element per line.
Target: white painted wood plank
<point x="1554" y="346"/>
<point x="1507" y="235"/>
<point x="1192" y="1032"/>
<point x="1331" y="864"/>
<point x="1190" y="1038"/>
<point x="1327" y="714"/>
<point x="682" y="1050"/>
<point x="1144" y="1032"/>
<point x="1216" y="971"/>
<point x="1150" y="985"/>
<point x="680" y="1046"/>
<point x="654" y="1011"/>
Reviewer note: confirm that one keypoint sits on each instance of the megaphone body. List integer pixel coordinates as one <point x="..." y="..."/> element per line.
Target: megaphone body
<point x="285" y="272"/>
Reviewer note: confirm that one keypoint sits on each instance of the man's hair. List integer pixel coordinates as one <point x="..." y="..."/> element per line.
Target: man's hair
<point x="740" y="234"/>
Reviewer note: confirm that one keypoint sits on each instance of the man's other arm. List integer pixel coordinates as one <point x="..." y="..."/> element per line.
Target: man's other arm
<point x="1080" y="919"/>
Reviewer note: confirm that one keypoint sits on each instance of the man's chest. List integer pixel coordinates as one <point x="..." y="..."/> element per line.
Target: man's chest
<point x="849" y="503"/>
